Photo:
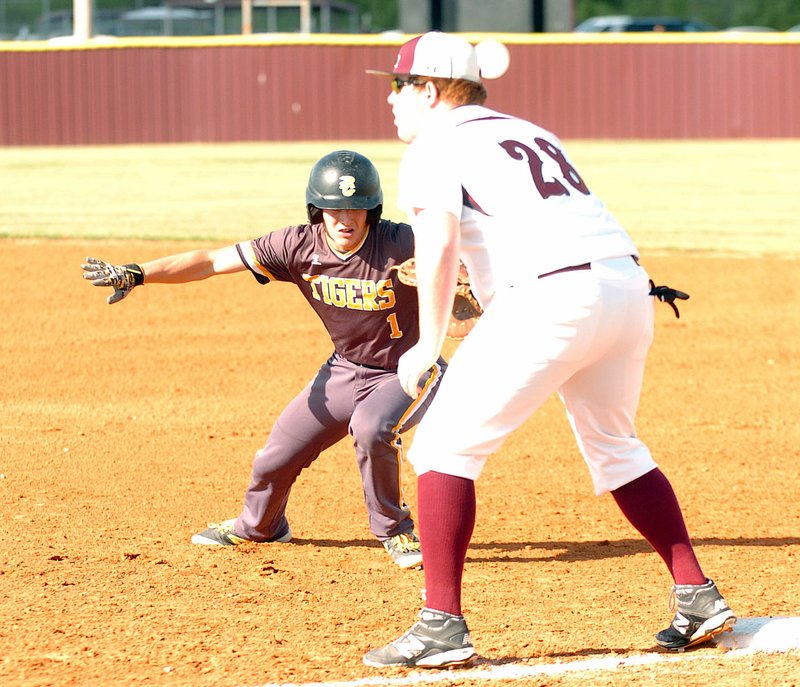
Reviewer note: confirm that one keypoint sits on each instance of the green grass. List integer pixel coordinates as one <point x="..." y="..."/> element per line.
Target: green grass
<point x="208" y="192"/>
<point x="721" y="196"/>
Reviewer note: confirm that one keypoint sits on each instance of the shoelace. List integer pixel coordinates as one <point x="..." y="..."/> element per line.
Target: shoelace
<point x="673" y="601"/>
<point x="221" y="527"/>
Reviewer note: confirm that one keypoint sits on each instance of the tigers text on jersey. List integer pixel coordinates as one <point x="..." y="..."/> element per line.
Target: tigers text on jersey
<point x="370" y="315"/>
<point x="524" y="209"/>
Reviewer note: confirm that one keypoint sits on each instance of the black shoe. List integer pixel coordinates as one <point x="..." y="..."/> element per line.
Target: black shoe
<point x="701" y="614"/>
<point x="436" y="640"/>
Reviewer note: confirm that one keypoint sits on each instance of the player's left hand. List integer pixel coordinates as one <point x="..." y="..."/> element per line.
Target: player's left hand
<point x="122" y="278"/>
<point x="413" y="364"/>
<point x="466" y="309"/>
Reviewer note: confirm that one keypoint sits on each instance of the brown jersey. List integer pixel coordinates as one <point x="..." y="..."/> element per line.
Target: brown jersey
<point x="370" y="315"/>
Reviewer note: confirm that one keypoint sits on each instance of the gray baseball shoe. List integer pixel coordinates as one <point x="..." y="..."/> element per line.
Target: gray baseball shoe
<point x="436" y="640"/>
<point x="700" y="614"/>
<point x="222" y="534"/>
<point x="404" y="549"/>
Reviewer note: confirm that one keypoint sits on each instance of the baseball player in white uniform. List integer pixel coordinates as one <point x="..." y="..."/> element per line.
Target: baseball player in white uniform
<point x="567" y="309"/>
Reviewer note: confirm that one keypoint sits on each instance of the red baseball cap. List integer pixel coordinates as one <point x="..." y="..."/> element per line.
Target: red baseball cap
<point x="436" y="54"/>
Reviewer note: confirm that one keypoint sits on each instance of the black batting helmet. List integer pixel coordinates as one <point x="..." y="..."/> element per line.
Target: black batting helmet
<point x="344" y="180"/>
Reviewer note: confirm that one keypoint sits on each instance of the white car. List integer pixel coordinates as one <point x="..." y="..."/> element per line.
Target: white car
<point x="750" y="29"/>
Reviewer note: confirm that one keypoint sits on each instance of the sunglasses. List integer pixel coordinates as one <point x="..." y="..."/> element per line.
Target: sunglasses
<point x="398" y="84"/>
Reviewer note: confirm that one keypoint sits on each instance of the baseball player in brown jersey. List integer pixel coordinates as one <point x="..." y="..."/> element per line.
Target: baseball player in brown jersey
<point x="343" y="261"/>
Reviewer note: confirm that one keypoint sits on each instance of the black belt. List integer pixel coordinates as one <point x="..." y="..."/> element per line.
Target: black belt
<point x="571" y="268"/>
<point x="575" y="268"/>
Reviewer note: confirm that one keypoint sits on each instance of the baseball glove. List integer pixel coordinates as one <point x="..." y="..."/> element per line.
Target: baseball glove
<point x="466" y="309"/>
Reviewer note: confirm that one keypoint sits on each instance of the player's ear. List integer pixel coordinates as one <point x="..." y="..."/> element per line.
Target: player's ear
<point x="431" y="92"/>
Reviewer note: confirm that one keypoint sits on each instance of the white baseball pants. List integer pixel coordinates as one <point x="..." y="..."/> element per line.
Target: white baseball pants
<point x="584" y="334"/>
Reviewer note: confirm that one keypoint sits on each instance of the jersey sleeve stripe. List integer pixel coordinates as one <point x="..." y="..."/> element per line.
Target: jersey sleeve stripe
<point x="248" y="256"/>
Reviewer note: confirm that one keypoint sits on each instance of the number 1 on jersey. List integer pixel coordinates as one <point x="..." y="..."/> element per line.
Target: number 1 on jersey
<point x="395" y="331"/>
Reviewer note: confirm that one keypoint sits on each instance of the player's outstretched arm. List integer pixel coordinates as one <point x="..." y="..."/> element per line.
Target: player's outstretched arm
<point x="173" y="269"/>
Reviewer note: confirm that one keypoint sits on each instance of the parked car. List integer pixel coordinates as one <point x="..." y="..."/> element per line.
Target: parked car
<point x="749" y="29"/>
<point x="167" y="21"/>
<point x="619" y="23"/>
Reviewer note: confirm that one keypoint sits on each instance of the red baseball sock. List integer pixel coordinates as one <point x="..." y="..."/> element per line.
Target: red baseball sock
<point x="446" y="513"/>
<point x="651" y="506"/>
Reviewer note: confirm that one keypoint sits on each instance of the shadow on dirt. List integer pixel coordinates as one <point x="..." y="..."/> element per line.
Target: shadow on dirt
<point x="602" y="549"/>
<point x="482" y="552"/>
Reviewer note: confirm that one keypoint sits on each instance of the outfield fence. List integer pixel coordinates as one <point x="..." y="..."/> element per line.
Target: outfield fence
<point x="292" y="87"/>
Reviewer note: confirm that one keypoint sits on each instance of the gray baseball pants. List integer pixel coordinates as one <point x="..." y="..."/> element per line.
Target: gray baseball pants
<point x="343" y="398"/>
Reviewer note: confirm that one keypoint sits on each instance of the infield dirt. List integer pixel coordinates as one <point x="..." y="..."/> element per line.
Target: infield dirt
<point x="127" y="428"/>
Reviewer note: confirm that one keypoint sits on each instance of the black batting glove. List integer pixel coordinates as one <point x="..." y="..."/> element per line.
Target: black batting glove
<point x="667" y="294"/>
